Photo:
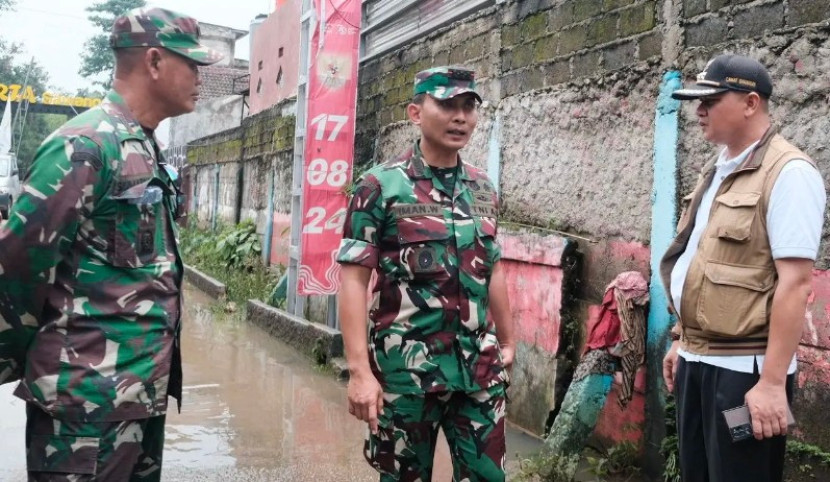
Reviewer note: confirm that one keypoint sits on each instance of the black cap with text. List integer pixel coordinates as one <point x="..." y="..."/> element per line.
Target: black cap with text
<point x="729" y="72"/>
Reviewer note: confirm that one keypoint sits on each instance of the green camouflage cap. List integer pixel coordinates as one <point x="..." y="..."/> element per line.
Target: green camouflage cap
<point x="446" y="82"/>
<point x="157" y="27"/>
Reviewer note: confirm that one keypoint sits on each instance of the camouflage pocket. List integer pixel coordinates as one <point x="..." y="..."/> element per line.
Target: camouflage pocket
<point x="423" y="241"/>
<point x="485" y="244"/>
<point x="133" y="231"/>
<point x="63" y="455"/>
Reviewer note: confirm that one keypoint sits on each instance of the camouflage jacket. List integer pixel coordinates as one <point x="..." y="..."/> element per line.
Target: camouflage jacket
<point x="90" y="276"/>
<point x="434" y="249"/>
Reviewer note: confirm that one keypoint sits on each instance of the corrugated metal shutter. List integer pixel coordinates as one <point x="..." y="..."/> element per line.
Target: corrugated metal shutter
<point x="390" y="23"/>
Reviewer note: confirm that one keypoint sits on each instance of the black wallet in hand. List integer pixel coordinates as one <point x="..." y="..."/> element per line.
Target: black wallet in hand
<point x="740" y="424"/>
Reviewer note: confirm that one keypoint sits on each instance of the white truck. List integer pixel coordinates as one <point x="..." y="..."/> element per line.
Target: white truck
<point x="9" y="183"/>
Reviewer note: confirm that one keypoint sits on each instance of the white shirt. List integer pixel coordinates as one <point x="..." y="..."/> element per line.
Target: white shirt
<point x="794" y="220"/>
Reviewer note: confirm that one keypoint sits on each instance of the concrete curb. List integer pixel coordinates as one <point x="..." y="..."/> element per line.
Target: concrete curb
<point x="205" y="283"/>
<point x="318" y="341"/>
<point x="340" y="367"/>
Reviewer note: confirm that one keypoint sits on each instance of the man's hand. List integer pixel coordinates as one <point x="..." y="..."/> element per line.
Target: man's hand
<point x="365" y="399"/>
<point x="767" y="404"/>
<point x="508" y="353"/>
<point x="670" y="365"/>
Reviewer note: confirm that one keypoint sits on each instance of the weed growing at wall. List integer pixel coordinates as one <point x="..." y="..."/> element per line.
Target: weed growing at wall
<point x="239" y="248"/>
<point x="807" y="461"/>
<point x="619" y="461"/>
<point x="617" y="464"/>
<point x="232" y="256"/>
<point x="548" y="468"/>
<point x="668" y="447"/>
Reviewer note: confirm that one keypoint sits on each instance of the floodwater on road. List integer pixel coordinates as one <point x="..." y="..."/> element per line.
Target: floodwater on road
<point x="254" y="410"/>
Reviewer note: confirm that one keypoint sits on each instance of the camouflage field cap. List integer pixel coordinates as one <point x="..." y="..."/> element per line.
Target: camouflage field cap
<point x="446" y="82"/>
<point x="157" y="27"/>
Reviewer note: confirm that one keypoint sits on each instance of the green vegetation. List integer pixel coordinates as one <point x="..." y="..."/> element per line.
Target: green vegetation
<point x="668" y="448"/>
<point x="232" y="255"/>
<point x="801" y="450"/>
<point x="548" y="468"/>
<point x="806" y="458"/>
<point x="618" y="463"/>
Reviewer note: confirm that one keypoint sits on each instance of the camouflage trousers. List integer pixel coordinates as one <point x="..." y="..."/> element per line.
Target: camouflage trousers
<point x="70" y="451"/>
<point x="473" y="424"/>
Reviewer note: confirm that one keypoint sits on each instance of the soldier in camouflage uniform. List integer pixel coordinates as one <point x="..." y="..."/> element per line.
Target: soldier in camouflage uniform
<point x="426" y="222"/>
<point x="90" y="275"/>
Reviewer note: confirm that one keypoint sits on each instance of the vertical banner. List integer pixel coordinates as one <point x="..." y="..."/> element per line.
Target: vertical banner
<point x="329" y="147"/>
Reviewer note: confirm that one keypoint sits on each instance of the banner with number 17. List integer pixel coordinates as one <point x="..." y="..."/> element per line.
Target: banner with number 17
<point x="329" y="149"/>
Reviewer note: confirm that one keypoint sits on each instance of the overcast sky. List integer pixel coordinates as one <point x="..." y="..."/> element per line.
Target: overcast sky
<point x="54" y="31"/>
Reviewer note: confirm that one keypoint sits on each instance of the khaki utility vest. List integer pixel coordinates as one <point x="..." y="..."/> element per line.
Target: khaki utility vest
<point x="731" y="280"/>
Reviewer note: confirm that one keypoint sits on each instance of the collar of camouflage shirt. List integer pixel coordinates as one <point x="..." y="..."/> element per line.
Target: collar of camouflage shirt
<point x="417" y="168"/>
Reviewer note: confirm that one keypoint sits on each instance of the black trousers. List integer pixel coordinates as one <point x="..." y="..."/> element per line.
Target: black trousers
<point x="707" y="453"/>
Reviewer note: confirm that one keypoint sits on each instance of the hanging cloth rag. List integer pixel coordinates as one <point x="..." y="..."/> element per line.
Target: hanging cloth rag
<point x="620" y="327"/>
<point x="631" y="296"/>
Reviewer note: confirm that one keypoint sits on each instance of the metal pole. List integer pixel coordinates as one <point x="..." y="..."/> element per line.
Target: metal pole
<point x="25" y="113"/>
<point x="295" y="302"/>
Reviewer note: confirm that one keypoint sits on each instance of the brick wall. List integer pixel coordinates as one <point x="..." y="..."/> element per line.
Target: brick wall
<point x="576" y="39"/>
<point x="246" y="158"/>
<point x="709" y="22"/>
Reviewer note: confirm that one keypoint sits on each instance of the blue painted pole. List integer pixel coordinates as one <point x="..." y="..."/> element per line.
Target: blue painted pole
<point x="194" y="202"/>
<point x="663" y="224"/>
<point x="494" y="153"/>
<point x="269" y="223"/>
<point x="216" y="198"/>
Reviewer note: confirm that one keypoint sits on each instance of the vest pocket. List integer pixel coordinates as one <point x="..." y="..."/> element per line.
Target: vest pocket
<point x="735" y="214"/>
<point x="733" y="299"/>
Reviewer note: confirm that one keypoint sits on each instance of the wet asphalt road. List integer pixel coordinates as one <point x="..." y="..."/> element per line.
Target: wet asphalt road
<point x="254" y="410"/>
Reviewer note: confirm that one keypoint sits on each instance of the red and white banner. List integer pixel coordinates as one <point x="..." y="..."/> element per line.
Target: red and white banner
<point x="329" y="147"/>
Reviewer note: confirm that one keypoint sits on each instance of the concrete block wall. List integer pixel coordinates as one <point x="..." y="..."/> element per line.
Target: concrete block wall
<point x="541" y="268"/>
<point x="247" y="159"/>
<point x="574" y="39"/>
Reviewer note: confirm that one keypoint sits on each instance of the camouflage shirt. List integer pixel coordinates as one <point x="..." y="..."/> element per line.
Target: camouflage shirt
<point x="90" y="276"/>
<point x="433" y="248"/>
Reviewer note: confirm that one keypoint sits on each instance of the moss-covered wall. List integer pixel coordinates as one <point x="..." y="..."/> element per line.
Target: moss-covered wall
<point x="246" y="159"/>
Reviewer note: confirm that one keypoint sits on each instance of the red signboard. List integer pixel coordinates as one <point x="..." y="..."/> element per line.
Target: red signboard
<point x="329" y="147"/>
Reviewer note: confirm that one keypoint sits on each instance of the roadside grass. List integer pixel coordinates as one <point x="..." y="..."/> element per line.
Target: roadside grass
<point x="232" y="255"/>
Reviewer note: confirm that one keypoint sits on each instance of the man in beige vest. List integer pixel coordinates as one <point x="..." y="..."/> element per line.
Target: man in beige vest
<point x="738" y="275"/>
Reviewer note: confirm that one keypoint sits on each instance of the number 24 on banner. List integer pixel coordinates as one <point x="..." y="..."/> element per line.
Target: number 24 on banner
<point x="317" y="215"/>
